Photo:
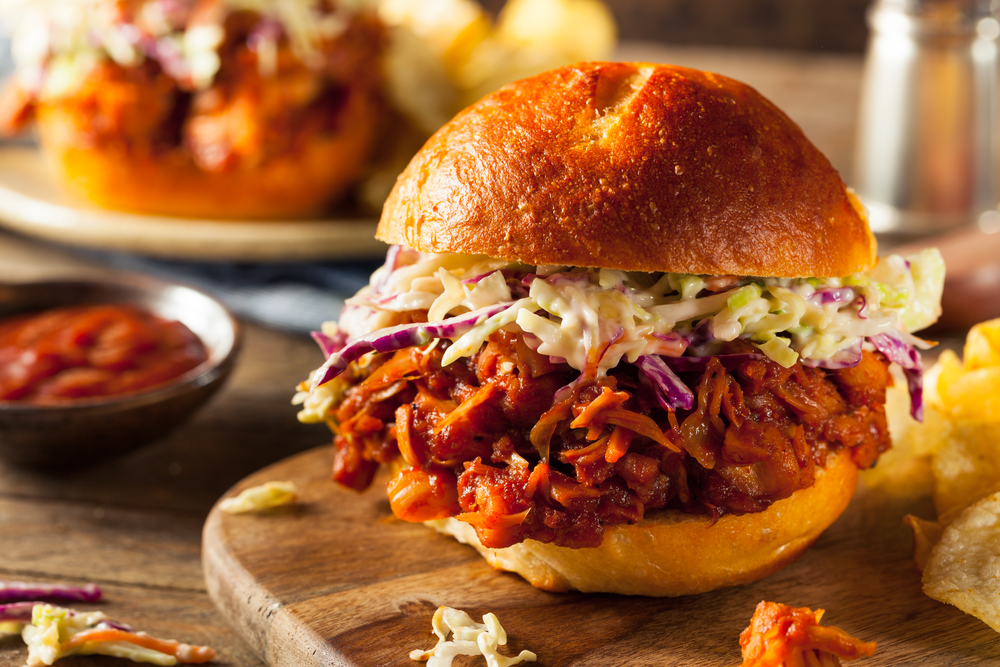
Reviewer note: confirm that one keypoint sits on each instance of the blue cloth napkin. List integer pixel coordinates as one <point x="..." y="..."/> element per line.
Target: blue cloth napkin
<point x="294" y="297"/>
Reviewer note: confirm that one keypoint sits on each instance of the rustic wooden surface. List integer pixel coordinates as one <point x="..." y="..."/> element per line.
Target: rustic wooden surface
<point x="134" y="525"/>
<point x="336" y="580"/>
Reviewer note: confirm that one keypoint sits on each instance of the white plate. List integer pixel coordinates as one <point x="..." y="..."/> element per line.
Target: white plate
<point x="33" y="203"/>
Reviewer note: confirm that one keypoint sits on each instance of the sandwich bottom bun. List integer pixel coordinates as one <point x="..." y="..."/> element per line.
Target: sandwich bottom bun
<point x="672" y="553"/>
<point x="300" y="184"/>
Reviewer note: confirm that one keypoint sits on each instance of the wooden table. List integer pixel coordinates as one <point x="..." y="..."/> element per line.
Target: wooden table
<point x="133" y="526"/>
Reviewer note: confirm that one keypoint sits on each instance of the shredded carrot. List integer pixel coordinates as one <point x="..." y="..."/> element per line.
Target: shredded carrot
<point x="491" y="521"/>
<point x="587" y="455"/>
<point x="618" y="443"/>
<point x="540" y="475"/>
<point x="641" y="424"/>
<point x="485" y="393"/>
<point x="183" y="652"/>
<point x="545" y="428"/>
<point x="404" y="420"/>
<point x="783" y="636"/>
<point x="564" y="490"/>
<point x="608" y="400"/>
<point x="430" y="404"/>
<point x="417" y="495"/>
<point x="361" y="424"/>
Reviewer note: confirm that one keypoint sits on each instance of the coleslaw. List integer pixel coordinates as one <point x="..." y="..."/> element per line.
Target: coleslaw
<point x="58" y="42"/>
<point x="56" y="632"/>
<point x="468" y="638"/>
<point x="665" y="323"/>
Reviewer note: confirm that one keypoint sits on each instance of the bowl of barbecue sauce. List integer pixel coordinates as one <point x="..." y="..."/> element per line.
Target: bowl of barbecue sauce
<point x="91" y="370"/>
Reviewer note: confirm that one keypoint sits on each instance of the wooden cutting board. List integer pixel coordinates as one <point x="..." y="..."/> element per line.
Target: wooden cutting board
<point x="336" y="580"/>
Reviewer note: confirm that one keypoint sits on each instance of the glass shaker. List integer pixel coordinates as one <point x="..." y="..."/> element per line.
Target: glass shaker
<point x="928" y="131"/>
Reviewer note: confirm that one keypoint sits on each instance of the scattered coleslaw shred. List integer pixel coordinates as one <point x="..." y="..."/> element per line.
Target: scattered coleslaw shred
<point x="783" y="636"/>
<point x="57" y="632"/>
<point x="468" y="638"/>
<point x="257" y="498"/>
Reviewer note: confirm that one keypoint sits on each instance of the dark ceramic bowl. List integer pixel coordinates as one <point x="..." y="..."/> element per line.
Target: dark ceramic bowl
<point x="92" y="430"/>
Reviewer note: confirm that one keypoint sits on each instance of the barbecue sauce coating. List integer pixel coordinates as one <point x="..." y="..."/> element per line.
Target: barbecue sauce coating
<point x="489" y="439"/>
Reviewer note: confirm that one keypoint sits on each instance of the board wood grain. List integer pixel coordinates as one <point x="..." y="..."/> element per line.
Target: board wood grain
<point x="336" y="580"/>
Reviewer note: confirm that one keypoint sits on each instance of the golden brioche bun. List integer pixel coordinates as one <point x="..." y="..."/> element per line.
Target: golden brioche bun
<point x="296" y="185"/>
<point x="631" y="166"/>
<point x="671" y="553"/>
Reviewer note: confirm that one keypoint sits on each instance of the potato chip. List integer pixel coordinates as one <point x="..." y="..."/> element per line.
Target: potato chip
<point x="445" y="54"/>
<point x="964" y="567"/>
<point x="532" y="36"/>
<point x="967" y="465"/>
<point x="579" y="29"/>
<point x="953" y="513"/>
<point x="451" y="29"/>
<point x="969" y="393"/>
<point x="982" y="346"/>
<point x="926" y="535"/>
<point x="905" y="469"/>
<point x="417" y="82"/>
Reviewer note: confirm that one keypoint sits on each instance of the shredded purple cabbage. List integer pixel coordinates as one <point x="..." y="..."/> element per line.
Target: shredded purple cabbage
<point x="896" y="349"/>
<point x="401" y="337"/>
<point x="907" y="357"/>
<point x="476" y="279"/>
<point x="15" y="591"/>
<point x="569" y="277"/>
<point x="115" y="625"/>
<point x="167" y="54"/>
<point x="515" y="283"/>
<point x="330" y="344"/>
<point x="531" y="340"/>
<point x="862" y="307"/>
<point x="672" y="337"/>
<point x="702" y="333"/>
<point x="846" y="358"/>
<point x="671" y="393"/>
<point x="390" y="263"/>
<point x="517" y="290"/>
<point x="393" y="258"/>
<point x="383" y="300"/>
<point x="826" y="295"/>
<point x="17" y="612"/>
<point x="267" y="30"/>
<point x="568" y="390"/>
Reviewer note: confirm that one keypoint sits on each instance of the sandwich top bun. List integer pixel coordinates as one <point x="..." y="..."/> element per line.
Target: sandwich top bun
<point x="671" y="553"/>
<point x="631" y="166"/>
